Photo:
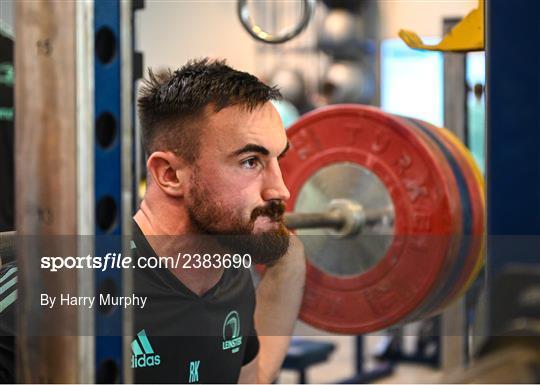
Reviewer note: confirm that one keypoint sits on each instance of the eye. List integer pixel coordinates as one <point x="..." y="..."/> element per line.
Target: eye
<point x="250" y="163"/>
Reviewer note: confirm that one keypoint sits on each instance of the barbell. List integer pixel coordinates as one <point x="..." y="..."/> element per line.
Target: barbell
<point x="346" y="217"/>
<point x="391" y="212"/>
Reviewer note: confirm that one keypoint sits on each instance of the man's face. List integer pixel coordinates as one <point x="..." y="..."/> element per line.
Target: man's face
<point x="237" y="191"/>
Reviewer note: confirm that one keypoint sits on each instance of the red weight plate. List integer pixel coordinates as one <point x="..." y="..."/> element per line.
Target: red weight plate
<point x="427" y="215"/>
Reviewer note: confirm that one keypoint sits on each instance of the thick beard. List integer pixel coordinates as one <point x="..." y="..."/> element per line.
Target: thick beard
<point x="227" y="227"/>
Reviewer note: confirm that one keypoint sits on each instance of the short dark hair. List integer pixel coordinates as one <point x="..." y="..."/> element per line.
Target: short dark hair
<point x="170" y="102"/>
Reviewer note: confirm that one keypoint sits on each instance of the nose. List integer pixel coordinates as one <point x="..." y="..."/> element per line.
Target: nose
<point x="274" y="186"/>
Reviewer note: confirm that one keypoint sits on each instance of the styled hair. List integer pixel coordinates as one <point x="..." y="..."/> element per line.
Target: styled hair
<point x="171" y="104"/>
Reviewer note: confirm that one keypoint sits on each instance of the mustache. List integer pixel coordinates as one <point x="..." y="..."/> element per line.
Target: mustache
<point x="273" y="210"/>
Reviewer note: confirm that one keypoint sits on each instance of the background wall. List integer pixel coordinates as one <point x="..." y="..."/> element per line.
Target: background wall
<point x="171" y="32"/>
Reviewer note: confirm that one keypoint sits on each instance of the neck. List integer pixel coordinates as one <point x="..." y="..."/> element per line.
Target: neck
<point x="165" y="222"/>
<point x="160" y="214"/>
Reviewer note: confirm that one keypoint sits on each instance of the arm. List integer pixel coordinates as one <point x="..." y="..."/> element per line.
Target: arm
<point x="249" y="372"/>
<point x="279" y="296"/>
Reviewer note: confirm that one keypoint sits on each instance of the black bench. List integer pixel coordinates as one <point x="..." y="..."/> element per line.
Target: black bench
<point x="304" y="353"/>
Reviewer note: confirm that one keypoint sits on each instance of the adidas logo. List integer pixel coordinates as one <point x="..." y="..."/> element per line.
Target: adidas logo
<point x="143" y="354"/>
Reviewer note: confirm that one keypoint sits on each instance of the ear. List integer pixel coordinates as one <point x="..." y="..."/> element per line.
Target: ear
<point x="169" y="171"/>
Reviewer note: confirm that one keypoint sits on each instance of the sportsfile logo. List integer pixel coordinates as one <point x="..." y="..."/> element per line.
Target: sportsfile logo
<point x="143" y="355"/>
<point x="231" y="332"/>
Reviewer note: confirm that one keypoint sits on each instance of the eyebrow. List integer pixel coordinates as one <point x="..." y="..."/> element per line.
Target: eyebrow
<point x="257" y="148"/>
<point x="251" y="148"/>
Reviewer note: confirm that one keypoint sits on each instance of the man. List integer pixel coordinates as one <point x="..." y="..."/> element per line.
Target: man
<point x="213" y="141"/>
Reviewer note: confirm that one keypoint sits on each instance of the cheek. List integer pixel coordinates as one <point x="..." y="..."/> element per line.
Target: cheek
<point x="240" y="203"/>
<point x="237" y="182"/>
<point x="228" y="194"/>
<point x="237" y="191"/>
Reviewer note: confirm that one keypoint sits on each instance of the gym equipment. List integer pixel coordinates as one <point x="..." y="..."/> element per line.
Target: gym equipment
<point x="363" y="374"/>
<point x="467" y="36"/>
<point x="395" y="217"/>
<point x="426" y="348"/>
<point x="79" y="163"/>
<point x="308" y="8"/>
<point x="348" y="82"/>
<point x="472" y="202"/>
<point x="341" y="34"/>
<point x="513" y="221"/>
<point x="304" y="353"/>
